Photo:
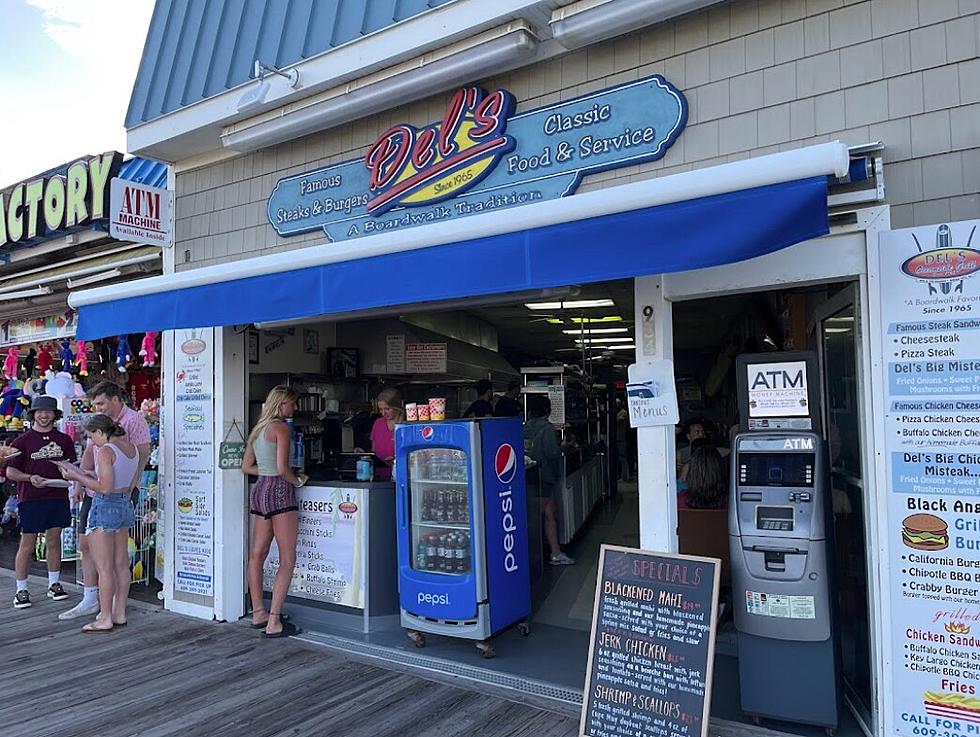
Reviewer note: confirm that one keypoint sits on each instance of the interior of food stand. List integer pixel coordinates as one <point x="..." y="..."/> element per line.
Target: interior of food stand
<point x="581" y="337"/>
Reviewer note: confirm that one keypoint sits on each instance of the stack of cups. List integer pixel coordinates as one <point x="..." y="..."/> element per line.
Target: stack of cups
<point x="423" y="411"/>
<point x="437" y="408"/>
<point x="411" y="412"/>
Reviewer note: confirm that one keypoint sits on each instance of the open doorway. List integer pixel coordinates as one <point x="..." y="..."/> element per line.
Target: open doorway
<point x="708" y="336"/>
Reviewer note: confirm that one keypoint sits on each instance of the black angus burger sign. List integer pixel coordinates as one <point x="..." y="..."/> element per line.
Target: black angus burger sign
<point x="652" y="646"/>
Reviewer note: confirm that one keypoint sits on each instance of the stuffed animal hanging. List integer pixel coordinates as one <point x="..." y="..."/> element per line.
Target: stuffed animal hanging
<point x="66" y="357"/>
<point x="30" y="362"/>
<point x="149" y="349"/>
<point x="13" y="402"/>
<point x="105" y="356"/>
<point x="44" y="361"/>
<point x="123" y="356"/>
<point x="10" y="362"/>
<point x="81" y="357"/>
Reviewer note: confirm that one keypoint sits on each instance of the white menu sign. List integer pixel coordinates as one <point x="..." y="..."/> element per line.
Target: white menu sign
<point x="329" y="550"/>
<point x="930" y="316"/>
<point x="426" y="358"/>
<point x="395" y="354"/>
<point x="194" y="461"/>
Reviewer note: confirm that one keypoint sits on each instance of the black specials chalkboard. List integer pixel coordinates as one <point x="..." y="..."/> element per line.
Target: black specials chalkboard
<point x="652" y="647"/>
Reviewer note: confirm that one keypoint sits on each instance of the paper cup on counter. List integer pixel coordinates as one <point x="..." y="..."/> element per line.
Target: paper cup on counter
<point x="437" y="408"/>
<point x="423" y="411"/>
<point x="411" y="412"/>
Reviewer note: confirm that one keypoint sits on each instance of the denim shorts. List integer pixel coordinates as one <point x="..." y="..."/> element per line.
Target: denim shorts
<point x="111" y="512"/>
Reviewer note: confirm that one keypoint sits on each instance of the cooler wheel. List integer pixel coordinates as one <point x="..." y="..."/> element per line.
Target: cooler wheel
<point x="486" y="648"/>
<point x="524" y="628"/>
<point x="417" y="638"/>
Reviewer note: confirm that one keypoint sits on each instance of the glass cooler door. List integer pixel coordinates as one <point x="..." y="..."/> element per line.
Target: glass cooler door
<point x="438" y="489"/>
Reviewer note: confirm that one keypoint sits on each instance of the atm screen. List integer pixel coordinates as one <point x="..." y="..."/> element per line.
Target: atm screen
<point x="775" y="469"/>
<point x="774" y="518"/>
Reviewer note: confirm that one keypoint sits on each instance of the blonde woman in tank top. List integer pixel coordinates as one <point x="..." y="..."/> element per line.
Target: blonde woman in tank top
<point x="273" y="504"/>
<point x="117" y="466"/>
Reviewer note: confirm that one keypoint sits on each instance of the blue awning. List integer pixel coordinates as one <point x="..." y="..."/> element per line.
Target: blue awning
<point x="681" y="236"/>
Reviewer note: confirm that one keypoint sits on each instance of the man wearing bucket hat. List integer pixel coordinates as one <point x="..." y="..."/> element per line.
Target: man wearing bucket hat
<point x="43" y="494"/>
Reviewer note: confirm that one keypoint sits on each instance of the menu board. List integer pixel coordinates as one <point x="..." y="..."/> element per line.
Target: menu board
<point x="651" y="653"/>
<point x="329" y="547"/>
<point x="930" y="317"/>
<point x="426" y="358"/>
<point x="194" y="461"/>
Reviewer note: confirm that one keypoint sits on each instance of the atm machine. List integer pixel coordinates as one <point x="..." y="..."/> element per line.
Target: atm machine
<point x="781" y="544"/>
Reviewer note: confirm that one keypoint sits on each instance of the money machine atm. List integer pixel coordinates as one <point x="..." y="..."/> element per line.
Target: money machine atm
<point x="780" y="531"/>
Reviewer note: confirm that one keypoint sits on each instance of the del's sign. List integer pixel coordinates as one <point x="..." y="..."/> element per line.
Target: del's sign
<point x="479" y="157"/>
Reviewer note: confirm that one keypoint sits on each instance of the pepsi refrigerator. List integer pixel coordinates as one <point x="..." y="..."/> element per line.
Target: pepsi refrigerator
<point x="462" y="526"/>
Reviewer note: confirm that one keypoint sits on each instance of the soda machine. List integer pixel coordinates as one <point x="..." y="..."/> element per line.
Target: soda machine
<point x="462" y="529"/>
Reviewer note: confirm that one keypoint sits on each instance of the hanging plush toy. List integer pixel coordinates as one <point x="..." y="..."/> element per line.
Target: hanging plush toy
<point x="149" y="349"/>
<point x="30" y="362"/>
<point x="104" y="355"/>
<point x="13" y="402"/>
<point x="66" y="357"/>
<point x="81" y="357"/>
<point x="123" y="356"/>
<point x="44" y="361"/>
<point x="10" y="362"/>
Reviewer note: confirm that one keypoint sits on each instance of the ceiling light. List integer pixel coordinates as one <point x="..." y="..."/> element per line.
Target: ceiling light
<point x="596" y="331"/>
<point x="570" y="305"/>
<point x="620" y="347"/>
<point x="838" y="330"/>
<point x="35" y="292"/>
<point x="588" y="341"/>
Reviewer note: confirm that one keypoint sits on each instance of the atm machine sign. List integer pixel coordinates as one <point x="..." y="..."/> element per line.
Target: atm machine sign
<point x="798" y="444"/>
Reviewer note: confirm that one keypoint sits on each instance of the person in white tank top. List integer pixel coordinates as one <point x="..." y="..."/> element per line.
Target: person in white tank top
<point x="117" y="465"/>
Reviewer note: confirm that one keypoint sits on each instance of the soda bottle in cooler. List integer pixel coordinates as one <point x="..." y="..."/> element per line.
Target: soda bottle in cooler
<point x="441" y="554"/>
<point x="431" y="552"/>
<point x="460" y="554"/>
<point x="451" y="553"/>
<point x="422" y="554"/>
<point x="463" y="562"/>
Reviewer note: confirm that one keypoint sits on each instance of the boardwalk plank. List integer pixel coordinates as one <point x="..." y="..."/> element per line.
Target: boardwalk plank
<point x="165" y="675"/>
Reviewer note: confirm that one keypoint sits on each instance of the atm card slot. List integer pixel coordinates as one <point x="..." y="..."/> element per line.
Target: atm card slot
<point x="750" y="496"/>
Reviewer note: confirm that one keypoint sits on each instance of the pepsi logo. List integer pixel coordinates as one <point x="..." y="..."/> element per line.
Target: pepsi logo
<point x="505" y="463"/>
<point x="428" y="432"/>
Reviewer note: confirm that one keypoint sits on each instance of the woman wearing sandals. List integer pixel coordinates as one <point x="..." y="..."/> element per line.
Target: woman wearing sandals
<point x="116" y="464"/>
<point x="273" y="502"/>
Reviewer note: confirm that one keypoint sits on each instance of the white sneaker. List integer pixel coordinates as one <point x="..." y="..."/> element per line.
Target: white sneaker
<point x="80" y="610"/>
<point x="561" y="560"/>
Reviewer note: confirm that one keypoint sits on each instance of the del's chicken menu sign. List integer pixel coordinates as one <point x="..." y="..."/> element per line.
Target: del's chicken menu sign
<point x="930" y="317"/>
<point x="479" y="157"/>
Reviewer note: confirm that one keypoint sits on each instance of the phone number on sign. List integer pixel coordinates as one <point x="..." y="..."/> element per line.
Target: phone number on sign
<point x="946" y="727"/>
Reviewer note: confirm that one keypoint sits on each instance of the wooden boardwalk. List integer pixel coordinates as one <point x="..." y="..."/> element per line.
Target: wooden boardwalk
<point x="169" y="675"/>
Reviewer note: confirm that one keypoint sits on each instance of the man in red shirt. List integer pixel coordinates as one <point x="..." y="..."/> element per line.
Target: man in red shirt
<point x="42" y="494"/>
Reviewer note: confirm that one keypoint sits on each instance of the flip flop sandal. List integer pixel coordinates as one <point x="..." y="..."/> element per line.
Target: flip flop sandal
<point x="288" y="630"/>
<point x="261" y="626"/>
<point x="119" y="624"/>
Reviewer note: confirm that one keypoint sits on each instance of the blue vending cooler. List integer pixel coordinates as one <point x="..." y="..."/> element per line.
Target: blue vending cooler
<point x="462" y="529"/>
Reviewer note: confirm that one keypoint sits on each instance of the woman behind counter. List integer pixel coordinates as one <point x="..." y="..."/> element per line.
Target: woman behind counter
<point x="273" y="502"/>
<point x="392" y="411"/>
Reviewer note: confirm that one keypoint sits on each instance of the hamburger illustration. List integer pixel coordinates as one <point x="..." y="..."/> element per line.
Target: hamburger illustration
<point x="185" y="505"/>
<point x="925" y="532"/>
<point x="952" y="706"/>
